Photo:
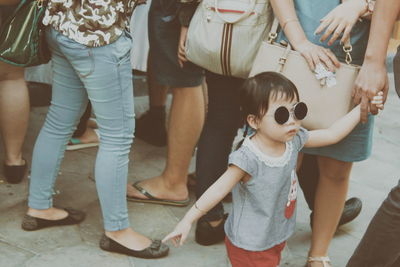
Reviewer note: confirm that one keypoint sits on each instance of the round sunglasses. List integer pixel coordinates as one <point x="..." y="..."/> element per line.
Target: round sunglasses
<point x="299" y="112"/>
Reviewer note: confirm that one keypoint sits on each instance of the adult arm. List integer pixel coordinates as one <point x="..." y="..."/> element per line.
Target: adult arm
<point x="314" y="54"/>
<point x="186" y="12"/>
<point x="373" y="74"/>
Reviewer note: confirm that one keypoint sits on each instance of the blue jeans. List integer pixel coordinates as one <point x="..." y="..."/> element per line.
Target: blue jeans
<point x="380" y="246"/>
<point x="103" y="75"/>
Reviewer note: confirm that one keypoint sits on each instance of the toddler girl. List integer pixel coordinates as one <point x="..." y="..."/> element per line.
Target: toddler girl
<point x="262" y="172"/>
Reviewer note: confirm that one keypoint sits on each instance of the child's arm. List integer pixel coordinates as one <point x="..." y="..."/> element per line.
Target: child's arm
<point x="214" y="194"/>
<point x="336" y="132"/>
<point x="341" y="128"/>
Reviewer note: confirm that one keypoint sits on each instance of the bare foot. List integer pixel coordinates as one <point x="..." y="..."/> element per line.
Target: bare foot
<point x="158" y="187"/>
<point x="91" y="123"/>
<point x="130" y="239"/>
<point x="48" y="214"/>
<point x="89" y="136"/>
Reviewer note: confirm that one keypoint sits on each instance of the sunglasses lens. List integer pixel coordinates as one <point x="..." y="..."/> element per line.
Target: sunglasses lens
<point x="300" y="111"/>
<point x="281" y="115"/>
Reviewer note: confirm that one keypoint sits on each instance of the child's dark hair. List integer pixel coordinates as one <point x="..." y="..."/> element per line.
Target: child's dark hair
<point x="257" y="91"/>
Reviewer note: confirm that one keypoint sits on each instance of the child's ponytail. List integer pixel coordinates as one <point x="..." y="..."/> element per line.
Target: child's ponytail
<point x="246" y="130"/>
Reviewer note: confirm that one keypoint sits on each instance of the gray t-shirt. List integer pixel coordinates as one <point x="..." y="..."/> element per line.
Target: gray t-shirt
<point x="263" y="211"/>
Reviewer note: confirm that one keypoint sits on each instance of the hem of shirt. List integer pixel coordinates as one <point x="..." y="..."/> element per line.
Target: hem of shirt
<point x="94" y="46"/>
<point x="250" y="248"/>
<point x="338" y="156"/>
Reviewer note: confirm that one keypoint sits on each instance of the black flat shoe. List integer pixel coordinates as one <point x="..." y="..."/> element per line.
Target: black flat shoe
<point x="30" y="223"/>
<point x="15" y="174"/>
<point x="156" y="250"/>
<point x="352" y="208"/>
<point x="207" y="235"/>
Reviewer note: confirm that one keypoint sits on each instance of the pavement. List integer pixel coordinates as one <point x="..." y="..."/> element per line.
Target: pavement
<point x="76" y="246"/>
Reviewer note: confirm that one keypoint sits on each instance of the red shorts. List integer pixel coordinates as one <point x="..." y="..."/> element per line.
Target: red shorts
<point x="245" y="258"/>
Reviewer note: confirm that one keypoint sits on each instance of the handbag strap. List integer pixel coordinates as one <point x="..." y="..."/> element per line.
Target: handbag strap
<point x="252" y="4"/>
<point x="273" y="34"/>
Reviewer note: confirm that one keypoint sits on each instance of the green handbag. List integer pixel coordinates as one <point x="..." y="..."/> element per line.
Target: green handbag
<point x="22" y="36"/>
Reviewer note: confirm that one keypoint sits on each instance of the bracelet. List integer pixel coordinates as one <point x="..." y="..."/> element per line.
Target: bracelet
<point x="369" y="5"/>
<point x="202" y="211"/>
<point x="287" y="22"/>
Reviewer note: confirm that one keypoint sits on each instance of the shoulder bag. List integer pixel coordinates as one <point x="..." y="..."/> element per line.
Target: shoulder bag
<point x="225" y="35"/>
<point x="22" y="40"/>
<point x="326" y="103"/>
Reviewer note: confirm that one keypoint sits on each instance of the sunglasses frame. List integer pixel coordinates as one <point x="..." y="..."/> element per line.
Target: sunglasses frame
<point x="289" y="113"/>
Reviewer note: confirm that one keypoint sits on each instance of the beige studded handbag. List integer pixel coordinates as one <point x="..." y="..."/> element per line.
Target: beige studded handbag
<point x="224" y="35"/>
<point x="328" y="97"/>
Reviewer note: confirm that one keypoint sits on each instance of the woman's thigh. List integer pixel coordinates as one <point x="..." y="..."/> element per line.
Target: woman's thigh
<point x="107" y="77"/>
<point x="331" y="168"/>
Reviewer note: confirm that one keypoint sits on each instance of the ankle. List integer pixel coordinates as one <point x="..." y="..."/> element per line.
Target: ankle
<point x="14" y="160"/>
<point x="36" y="212"/>
<point x="119" y="233"/>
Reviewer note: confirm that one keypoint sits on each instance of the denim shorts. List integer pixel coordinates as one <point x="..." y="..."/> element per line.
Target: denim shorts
<point x="355" y="147"/>
<point x="164" y="32"/>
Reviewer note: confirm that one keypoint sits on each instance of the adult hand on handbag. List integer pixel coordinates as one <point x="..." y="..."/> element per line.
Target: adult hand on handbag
<point x="341" y="20"/>
<point x="315" y="54"/>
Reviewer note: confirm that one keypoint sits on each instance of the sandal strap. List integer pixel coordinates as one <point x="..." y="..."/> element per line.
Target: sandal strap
<point x="325" y="260"/>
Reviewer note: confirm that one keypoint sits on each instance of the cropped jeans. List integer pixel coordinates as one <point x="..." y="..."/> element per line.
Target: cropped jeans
<point x="103" y="75"/>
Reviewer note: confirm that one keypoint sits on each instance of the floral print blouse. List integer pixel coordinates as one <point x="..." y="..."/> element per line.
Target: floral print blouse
<point x="89" y="22"/>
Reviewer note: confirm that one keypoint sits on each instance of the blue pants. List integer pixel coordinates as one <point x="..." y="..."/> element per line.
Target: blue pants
<point x="102" y="75"/>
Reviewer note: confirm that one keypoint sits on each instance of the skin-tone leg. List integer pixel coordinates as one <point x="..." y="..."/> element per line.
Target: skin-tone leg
<point x="184" y="127"/>
<point x="329" y="202"/>
<point x="14" y="112"/>
<point x="157" y="93"/>
<point x="89" y="136"/>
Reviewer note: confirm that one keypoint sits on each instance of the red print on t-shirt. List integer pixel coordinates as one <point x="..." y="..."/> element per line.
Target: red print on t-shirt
<point x="292" y="197"/>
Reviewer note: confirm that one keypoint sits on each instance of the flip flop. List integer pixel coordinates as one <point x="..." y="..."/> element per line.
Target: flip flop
<point x="155" y="200"/>
<point x="76" y="144"/>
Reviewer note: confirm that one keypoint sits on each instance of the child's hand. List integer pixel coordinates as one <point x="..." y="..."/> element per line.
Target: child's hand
<point x="180" y="233"/>
<point x="378" y="100"/>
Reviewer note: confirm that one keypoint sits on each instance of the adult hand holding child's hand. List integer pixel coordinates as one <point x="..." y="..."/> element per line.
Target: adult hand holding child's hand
<point x="371" y="79"/>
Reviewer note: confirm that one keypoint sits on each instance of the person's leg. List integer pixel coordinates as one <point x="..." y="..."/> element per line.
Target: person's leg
<point x="86" y="134"/>
<point x="308" y="175"/>
<point x="82" y="125"/>
<point x="110" y="90"/>
<point x="14" y="113"/>
<point x="380" y="245"/>
<point x="151" y="127"/>
<point x="69" y="101"/>
<point x="184" y="127"/>
<point x="215" y="144"/>
<point x="329" y="202"/>
<point x="187" y="110"/>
